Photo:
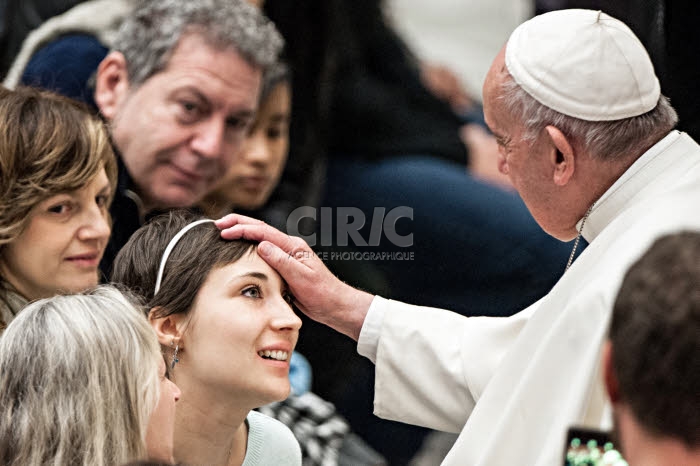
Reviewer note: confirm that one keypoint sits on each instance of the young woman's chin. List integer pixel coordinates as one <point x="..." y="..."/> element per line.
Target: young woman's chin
<point x="279" y="392"/>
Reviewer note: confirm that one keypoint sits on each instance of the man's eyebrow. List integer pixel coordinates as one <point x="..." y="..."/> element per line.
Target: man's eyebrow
<point x="244" y="113"/>
<point x="196" y="92"/>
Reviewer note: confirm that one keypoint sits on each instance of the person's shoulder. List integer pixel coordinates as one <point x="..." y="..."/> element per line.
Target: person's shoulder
<point x="270" y="440"/>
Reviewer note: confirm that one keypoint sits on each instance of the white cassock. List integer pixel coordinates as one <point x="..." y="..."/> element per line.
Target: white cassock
<point x="512" y="386"/>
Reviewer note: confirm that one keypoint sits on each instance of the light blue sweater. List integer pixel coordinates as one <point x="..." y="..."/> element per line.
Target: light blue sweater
<point x="270" y="443"/>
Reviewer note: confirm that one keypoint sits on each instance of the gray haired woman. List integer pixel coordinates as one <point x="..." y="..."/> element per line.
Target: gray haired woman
<point x="82" y="382"/>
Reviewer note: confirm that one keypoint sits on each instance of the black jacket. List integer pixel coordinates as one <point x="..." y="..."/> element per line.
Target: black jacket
<point x="127" y="217"/>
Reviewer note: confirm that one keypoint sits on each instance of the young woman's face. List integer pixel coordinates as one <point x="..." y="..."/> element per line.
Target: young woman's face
<point x="61" y="247"/>
<point x="161" y="425"/>
<point x="257" y="168"/>
<point x="242" y="332"/>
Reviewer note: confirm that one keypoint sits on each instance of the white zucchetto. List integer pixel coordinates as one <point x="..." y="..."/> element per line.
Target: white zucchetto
<point x="583" y="63"/>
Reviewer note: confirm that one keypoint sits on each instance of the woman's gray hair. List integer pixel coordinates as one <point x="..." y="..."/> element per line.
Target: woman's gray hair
<point x="605" y="140"/>
<point x="78" y="381"/>
<point x="149" y="35"/>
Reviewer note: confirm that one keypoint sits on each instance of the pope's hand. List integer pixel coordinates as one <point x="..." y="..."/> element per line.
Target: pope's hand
<point x="317" y="292"/>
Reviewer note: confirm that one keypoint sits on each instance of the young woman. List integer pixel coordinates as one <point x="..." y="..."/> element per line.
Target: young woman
<point x="82" y="382"/>
<point x="57" y="177"/>
<point x="225" y="321"/>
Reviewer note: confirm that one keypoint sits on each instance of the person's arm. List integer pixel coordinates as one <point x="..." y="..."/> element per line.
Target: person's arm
<point x="317" y="292"/>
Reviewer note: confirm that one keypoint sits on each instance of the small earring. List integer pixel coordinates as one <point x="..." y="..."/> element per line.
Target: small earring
<point x="175" y="358"/>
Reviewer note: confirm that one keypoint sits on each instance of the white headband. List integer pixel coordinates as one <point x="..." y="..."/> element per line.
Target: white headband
<point x="171" y="245"/>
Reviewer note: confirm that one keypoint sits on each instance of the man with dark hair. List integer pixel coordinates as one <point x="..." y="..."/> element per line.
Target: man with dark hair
<point x="651" y="360"/>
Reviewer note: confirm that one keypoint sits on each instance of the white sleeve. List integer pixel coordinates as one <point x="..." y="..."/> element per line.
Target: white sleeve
<point x="369" y="334"/>
<point x="432" y="365"/>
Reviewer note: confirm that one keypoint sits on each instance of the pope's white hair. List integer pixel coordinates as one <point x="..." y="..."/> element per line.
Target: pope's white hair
<point x="605" y="140"/>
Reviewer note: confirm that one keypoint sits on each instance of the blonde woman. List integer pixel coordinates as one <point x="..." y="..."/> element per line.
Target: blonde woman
<point x="57" y="178"/>
<point x="82" y="382"/>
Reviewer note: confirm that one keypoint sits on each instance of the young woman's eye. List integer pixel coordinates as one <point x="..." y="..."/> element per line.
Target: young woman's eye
<point x="252" y="292"/>
<point x="288" y="297"/>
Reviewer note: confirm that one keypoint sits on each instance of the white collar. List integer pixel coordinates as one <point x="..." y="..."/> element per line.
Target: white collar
<point x="642" y="176"/>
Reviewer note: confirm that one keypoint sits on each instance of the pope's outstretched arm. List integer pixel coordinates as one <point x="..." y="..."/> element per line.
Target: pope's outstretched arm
<point x="317" y="292"/>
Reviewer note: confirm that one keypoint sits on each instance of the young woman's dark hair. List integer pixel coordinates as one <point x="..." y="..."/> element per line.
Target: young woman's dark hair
<point x="194" y="256"/>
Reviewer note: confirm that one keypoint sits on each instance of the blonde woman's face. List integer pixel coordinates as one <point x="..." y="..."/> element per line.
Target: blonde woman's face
<point x="161" y="425"/>
<point x="61" y="248"/>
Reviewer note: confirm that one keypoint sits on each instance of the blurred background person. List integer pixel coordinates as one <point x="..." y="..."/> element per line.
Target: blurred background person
<point x="82" y="382"/>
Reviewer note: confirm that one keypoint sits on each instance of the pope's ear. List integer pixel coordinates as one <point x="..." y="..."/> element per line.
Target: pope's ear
<point x="112" y="84"/>
<point x="562" y="156"/>
<point x="168" y="329"/>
